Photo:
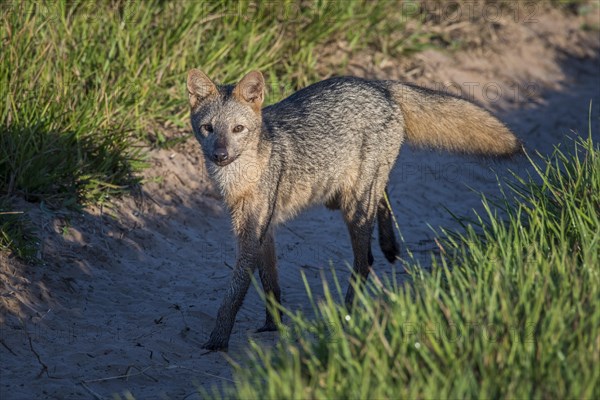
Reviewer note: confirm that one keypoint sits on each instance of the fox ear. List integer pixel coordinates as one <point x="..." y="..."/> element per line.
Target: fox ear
<point x="251" y="90"/>
<point x="199" y="86"/>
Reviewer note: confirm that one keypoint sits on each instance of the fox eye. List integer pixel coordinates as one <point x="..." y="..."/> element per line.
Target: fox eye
<point x="238" y="128"/>
<point x="207" y="127"/>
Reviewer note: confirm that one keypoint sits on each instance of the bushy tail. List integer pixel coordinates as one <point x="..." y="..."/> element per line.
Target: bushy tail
<point x="434" y="119"/>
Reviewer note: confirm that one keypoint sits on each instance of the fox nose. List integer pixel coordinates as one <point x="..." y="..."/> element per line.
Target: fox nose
<point x="220" y="154"/>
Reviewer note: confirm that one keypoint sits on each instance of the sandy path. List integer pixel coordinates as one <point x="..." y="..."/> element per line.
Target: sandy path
<point x="136" y="293"/>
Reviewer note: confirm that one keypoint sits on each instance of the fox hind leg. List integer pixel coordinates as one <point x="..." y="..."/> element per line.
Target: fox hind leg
<point x="359" y="214"/>
<point x="387" y="239"/>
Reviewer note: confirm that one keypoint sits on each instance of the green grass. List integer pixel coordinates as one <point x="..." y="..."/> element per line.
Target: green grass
<point x="508" y="312"/>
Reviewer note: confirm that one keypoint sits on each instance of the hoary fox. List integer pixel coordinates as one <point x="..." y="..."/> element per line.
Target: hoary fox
<point x="333" y="142"/>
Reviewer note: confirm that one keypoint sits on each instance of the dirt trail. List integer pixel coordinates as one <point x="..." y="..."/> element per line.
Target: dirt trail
<point x="133" y="289"/>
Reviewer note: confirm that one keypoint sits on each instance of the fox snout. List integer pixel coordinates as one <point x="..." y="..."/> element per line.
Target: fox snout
<point x="221" y="156"/>
<point x="221" y="153"/>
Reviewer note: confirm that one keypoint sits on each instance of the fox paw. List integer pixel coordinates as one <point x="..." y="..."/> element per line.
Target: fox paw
<point x="269" y="326"/>
<point x="215" y="345"/>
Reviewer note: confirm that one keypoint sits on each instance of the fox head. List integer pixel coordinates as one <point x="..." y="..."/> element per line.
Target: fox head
<point x="226" y="119"/>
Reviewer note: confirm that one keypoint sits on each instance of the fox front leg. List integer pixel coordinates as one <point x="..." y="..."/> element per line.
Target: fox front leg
<point x="267" y="269"/>
<point x="238" y="286"/>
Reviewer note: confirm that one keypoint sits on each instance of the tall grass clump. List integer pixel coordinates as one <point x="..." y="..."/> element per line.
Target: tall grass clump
<point x="64" y="133"/>
<point x="510" y="311"/>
